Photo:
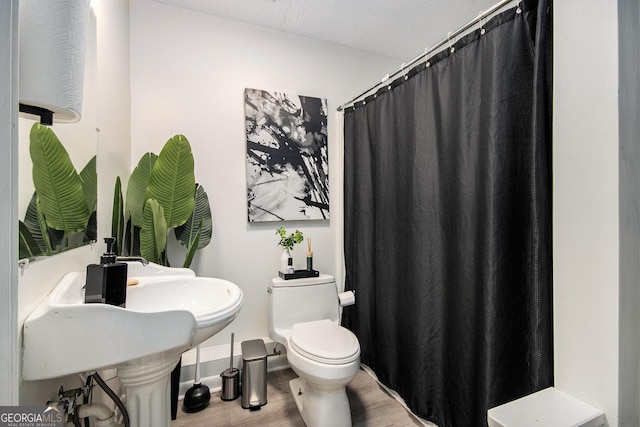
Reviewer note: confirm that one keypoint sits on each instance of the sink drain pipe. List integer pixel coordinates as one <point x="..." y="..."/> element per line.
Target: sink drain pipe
<point x="103" y="414"/>
<point x="114" y="397"/>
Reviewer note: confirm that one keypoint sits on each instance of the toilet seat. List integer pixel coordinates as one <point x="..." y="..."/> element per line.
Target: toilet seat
<point x="325" y="342"/>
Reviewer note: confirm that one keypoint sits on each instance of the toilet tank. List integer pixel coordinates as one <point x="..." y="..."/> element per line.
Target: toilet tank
<point x="301" y="300"/>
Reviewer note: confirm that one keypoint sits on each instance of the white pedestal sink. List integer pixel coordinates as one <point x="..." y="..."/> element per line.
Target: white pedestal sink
<point x="168" y="312"/>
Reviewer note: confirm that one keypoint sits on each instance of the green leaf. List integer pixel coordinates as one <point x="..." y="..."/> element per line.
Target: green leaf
<point x="89" y="179"/>
<point x="153" y="235"/>
<point x="28" y="248"/>
<point x="54" y="239"/>
<point x="91" y="232"/>
<point x="117" y="217"/>
<point x="172" y="181"/>
<point x="132" y="239"/>
<point x="49" y="243"/>
<point x="288" y="242"/>
<point x="47" y="238"/>
<point x="57" y="183"/>
<point x="201" y="215"/>
<point x="137" y="187"/>
<point x="191" y="250"/>
<point x="32" y="222"/>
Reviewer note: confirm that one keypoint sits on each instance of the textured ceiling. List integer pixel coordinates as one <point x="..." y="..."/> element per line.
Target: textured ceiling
<point x="396" y="28"/>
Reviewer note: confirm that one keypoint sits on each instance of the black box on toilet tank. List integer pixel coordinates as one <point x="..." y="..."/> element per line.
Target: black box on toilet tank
<point x="106" y="283"/>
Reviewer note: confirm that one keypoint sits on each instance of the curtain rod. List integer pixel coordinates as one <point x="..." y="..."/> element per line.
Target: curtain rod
<point x="429" y="50"/>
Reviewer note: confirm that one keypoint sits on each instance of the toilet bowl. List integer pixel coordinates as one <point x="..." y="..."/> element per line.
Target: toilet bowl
<point x="325" y="355"/>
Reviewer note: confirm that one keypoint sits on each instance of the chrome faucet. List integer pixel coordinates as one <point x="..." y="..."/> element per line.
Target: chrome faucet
<point x="132" y="258"/>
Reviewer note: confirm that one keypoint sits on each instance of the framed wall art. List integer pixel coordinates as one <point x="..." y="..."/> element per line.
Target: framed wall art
<point x="287" y="156"/>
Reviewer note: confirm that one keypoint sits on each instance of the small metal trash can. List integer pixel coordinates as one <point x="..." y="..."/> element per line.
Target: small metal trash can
<point x="254" y="374"/>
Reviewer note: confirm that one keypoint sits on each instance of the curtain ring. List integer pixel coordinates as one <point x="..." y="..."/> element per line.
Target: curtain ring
<point x="426" y="57"/>
<point x="518" y="8"/>
<point x="402" y="69"/>
<point x="481" y="20"/>
<point x="451" y="48"/>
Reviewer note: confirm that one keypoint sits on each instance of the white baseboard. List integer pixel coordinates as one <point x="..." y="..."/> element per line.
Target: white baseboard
<point x="214" y="361"/>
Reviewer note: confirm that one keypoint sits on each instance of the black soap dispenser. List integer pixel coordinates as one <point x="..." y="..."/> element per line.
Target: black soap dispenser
<point x="107" y="281"/>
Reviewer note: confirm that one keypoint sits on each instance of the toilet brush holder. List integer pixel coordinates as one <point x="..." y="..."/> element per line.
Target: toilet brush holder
<point x="230" y="379"/>
<point x="230" y="384"/>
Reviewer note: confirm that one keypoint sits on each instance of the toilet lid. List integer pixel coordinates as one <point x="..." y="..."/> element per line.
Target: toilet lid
<point x="324" y="341"/>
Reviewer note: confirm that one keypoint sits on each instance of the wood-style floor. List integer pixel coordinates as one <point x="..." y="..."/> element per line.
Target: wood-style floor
<point x="370" y="406"/>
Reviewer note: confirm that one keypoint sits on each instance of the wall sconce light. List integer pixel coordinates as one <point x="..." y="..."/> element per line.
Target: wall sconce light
<point x="53" y="39"/>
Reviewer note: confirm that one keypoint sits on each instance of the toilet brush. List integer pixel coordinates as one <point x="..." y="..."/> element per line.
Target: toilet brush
<point x="230" y="379"/>
<point x="198" y="396"/>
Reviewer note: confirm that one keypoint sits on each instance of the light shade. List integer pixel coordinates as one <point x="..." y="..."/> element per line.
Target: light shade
<point x="53" y="35"/>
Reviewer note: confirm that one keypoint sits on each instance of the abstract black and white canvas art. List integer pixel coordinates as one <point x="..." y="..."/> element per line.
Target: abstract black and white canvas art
<point x="287" y="156"/>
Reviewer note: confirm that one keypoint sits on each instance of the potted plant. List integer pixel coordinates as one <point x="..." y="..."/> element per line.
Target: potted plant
<point x="162" y="194"/>
<point x="287" y="242"/>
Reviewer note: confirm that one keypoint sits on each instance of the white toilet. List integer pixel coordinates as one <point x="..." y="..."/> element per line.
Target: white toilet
<point x="304" y="317"/>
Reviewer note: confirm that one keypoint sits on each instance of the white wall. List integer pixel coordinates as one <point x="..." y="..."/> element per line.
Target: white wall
<point x="188" y="75"/>
<point x="585" y="202"/>
<point x="114" y="105"/>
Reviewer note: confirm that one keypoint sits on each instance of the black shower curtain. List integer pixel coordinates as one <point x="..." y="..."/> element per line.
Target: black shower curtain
<point x="448" y="222"/>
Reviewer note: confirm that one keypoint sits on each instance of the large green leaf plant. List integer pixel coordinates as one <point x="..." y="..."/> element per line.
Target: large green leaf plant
<point x="162" y="195"/>
<point x="62" y="211"/>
